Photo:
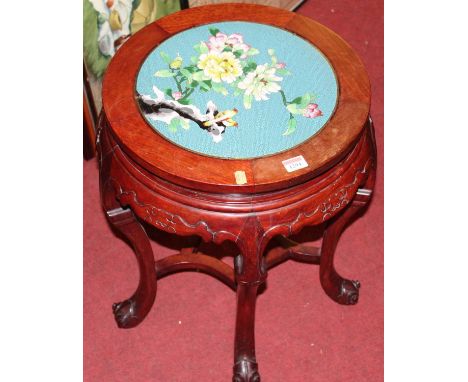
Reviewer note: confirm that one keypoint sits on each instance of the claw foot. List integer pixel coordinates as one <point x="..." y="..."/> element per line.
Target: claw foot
<point x="125" y="314"/>
<point x="349" y="292"/>
<point x="246" y="371"/>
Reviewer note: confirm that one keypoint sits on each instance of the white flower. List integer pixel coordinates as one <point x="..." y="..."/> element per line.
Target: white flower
<point x="260" y="82"/>
<point x="220" y="66"/>
<point x="106" y="40"/>
<point x="114" y="23"/>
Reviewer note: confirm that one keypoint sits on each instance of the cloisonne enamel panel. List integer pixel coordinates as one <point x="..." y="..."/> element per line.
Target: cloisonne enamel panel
<point x="236" y="90"/>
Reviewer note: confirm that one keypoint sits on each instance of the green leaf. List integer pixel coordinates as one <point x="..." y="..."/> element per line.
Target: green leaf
<point x="214" y="31"/>
<point x="101" y="19"/>
<point x="185" y="101"/>
<point x="173" y="125"/>
<point x="165" y="57"/>
<point x="194" y="59"/>
<point x="193" y="84"/>
<point x="238" y="53"/>
<point x="186" y="74"/>
<point x="191" y="68"/>
<point x="168" y="92"/>
<point x="251" y="66"/>
<point x="252" y="51"/>
<point x="237" y="92"/>
<point x="219" y="89"/>
<point x="199" y="76"/>
<point x="294" y="109"/>
<point x="273" y="58"/>
<point x="291" y="126"/>
<point x="247" y="101"/>
<point x="283" y="72"/>
<point x="184" y="123"/>
<point x="203" y="48"/>
<point x="304" y="101"/>
<point x="297" y="100"/>
<point x="205" y="85"/>
<point x="164" y="73"/>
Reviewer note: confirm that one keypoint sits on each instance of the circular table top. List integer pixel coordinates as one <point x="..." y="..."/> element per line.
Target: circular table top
<point x="237" y="98"/>
<point x="250" y="89"/>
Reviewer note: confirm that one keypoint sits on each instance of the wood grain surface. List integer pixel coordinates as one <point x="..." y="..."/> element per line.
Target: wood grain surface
<point x="193" y="170"/>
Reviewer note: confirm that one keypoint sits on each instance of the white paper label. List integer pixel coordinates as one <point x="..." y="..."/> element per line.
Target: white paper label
<point x="295" y="163"/>
<point x="240" y="177"/>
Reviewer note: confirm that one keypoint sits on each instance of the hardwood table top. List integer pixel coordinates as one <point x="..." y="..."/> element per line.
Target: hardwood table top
<point x="236" y="98"/>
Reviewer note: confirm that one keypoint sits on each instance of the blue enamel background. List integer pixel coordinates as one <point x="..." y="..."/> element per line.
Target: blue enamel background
<point x="260" y="128"/>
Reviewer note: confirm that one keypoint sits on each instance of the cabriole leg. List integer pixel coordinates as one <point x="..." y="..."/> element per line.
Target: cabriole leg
<point x="131" y="312"/>
<point x="343" y="291"/>
<point x="339" y="289"/>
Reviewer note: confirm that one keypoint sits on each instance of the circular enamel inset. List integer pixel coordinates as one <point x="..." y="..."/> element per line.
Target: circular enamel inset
<point x="236" y="90"/>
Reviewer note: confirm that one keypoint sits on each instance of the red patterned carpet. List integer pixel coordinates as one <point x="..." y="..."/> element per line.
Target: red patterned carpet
<point x="301" y="335"/>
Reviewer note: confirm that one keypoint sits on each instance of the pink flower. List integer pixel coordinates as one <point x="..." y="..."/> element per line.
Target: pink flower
<point x="280" y="65"/>
<point x="177" y="95"/>
<point x="312" y="111"/>
<point x="235" y="41"/>
<point x="217" y="42"/>
<point x="236" y="38"/>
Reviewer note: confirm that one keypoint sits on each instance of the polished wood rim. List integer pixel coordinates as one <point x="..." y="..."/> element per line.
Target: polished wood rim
<point x="189" y="169"/>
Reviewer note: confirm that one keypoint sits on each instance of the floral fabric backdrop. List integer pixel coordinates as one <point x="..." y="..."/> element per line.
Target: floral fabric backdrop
<point x="285" y="4"/>
<point x="106" y="26"/>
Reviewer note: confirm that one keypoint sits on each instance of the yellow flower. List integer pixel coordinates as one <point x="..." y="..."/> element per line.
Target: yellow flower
<point x="220" y="66"/>
<point x="176" y="63"/>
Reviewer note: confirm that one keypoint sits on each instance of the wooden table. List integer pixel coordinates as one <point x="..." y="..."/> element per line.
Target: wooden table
<point x="263" y="169"/>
